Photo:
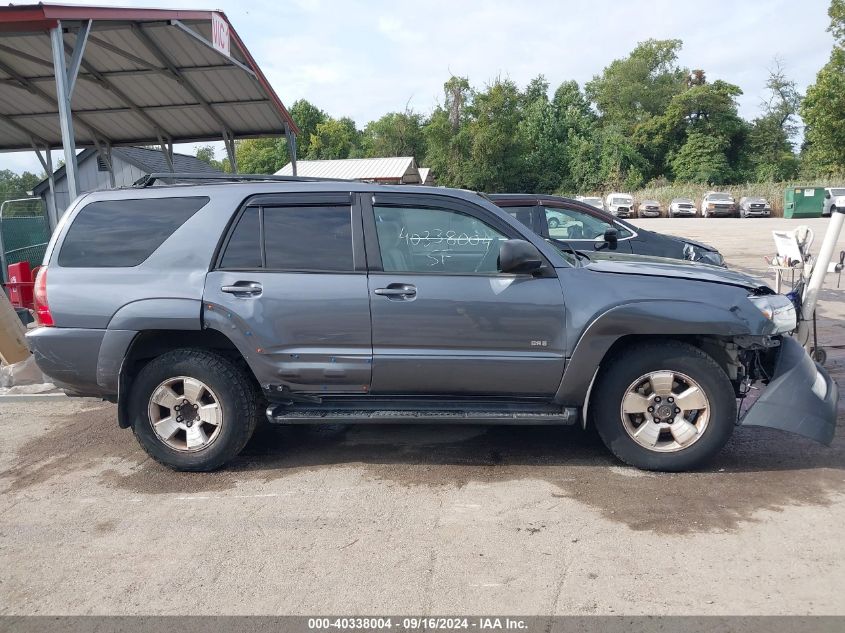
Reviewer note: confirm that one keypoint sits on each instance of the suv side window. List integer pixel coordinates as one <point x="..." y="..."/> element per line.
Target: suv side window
<point x="571" y="224"/>
<point x="123" y="233"/>
<point x="436" y="240"/>
<point x="523" y="214"/>
<point x="308" y="238"/>
<point x="304" y="238"/>
<point x="244" y="247"/>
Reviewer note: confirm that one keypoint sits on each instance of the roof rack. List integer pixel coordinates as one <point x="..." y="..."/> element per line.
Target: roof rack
<point x="171" y="177"/>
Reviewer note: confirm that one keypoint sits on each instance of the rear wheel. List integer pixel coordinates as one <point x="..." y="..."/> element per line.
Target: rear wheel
<point x="192" y="409"/>
<point x="554" y="223"/>
<point x="664" y="406"/>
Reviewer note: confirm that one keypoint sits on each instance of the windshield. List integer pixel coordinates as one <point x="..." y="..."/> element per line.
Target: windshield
<point x="837" y="192"/>
<point x="620" y="200"/>
<point x="720" y="196"/>
<point x="682" y="201"/>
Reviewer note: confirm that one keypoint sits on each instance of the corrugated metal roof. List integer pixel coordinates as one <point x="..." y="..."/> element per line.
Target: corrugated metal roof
<point x="400" y="168"/>
<point x="146" y="73"/>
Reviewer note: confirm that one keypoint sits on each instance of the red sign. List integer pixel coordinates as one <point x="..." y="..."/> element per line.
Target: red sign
<point x="220" y="34"/>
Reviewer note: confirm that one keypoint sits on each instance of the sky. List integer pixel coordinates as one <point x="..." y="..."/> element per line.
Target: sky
<point x="365" y="58"/>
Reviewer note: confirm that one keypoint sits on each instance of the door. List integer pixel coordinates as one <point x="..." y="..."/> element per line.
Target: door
<point x="290" y="290"/>
<point x="581" y="229"/>
<point x="445" y="320"/>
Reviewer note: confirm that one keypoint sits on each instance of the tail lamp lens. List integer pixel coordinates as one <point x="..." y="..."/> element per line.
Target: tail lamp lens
<point x="42" y="309"/>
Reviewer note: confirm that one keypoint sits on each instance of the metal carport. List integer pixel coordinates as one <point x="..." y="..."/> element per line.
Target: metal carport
<point x="81" y="76"/>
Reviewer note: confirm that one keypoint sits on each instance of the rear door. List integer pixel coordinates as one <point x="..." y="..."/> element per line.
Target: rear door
<point x="290" y="289"/>
<point x="445" y="320"/>
<point x="582" y="229"/>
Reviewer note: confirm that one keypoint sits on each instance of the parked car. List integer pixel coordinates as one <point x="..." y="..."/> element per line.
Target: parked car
<point x="830" y="195"/>
<point x="200" y="309"/>
<point x="596" y="202"/>
<point x="620" y="205"/>
<point x="754" y="206"/>
<point x="715" y="203"/>
<point x="573" y="223"/>
<point x="649" y="209"/>
<point x="682" y="207"/>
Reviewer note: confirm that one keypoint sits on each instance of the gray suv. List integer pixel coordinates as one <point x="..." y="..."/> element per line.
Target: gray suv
<point x="202" y="308"/>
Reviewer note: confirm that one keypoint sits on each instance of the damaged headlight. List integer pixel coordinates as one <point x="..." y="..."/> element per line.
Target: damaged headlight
<point x="778" y="309"/>
<point x="694" y="253"/>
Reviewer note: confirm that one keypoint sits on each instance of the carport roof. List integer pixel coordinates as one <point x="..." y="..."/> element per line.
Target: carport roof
<point x="147" y="76"/>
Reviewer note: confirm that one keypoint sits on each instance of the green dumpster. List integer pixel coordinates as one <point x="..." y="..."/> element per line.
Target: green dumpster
<point x="803" y="202"/>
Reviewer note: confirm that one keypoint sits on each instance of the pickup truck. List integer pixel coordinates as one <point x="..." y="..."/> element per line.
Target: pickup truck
<point x="201" y="308"/>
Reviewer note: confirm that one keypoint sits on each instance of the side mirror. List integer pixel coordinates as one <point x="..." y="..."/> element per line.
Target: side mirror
<point x="519" y="257"/>
<point x="611" y="236"/>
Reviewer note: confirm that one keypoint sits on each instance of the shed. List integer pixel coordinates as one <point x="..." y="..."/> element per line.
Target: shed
<point x="425" y="176"/>
<point x="400" y="170"/>
<point x="128" y="165"/>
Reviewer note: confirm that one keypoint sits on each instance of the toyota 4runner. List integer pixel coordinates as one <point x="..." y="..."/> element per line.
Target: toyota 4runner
<point x="201" y="308"/>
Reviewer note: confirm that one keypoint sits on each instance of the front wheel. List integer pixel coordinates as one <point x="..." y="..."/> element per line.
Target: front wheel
<point x="663" y="406"/>
<point x="193" y="409"/>
<point x="554" y="223"/>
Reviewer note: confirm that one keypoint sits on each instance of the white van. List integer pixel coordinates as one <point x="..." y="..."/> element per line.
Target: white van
<point x="620" y="204"/>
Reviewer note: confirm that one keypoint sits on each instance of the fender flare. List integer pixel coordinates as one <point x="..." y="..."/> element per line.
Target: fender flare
<point x="646" y="318"/>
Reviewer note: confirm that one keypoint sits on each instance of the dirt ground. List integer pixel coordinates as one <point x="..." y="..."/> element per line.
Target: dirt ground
<point x="424" y="520"/>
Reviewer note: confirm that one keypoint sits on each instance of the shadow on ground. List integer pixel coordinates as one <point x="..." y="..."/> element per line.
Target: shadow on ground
<point x="759" y="469"/>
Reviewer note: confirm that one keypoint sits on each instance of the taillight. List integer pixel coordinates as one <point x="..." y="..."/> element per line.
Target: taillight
<point x="42" y="310"/>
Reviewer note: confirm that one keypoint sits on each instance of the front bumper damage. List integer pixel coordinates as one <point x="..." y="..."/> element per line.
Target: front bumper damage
<point x="801" y="397"/>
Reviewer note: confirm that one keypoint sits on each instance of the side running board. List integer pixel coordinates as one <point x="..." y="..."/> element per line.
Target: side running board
<point x="280" y="414"/>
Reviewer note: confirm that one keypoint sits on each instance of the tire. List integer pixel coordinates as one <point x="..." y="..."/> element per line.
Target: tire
<point x="553" y="223"/>
<point x="714" y="424"/>
<point x="224" y="383"/>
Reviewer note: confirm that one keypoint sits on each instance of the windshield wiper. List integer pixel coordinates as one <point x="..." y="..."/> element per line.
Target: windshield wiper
<point x="566" y="246"/>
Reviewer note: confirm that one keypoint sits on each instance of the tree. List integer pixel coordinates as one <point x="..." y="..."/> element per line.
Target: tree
<point x="631" y="90"/>
<point x="307" y="117"/>
<point x="395" y="134"/>
<point x="334" y="138"/>
<point x="261" y="155"/>
<point x="447" y="139"/>
<point x="495" y="159"/>
<point x="770" y="146"/>
<point x="702" y="159"/>
<point x="823" y="109"/>
<point x="206" y="155"/>
<point x="708" y="110"/>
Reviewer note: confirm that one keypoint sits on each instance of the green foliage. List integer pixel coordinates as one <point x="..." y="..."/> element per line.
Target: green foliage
<point x="702" y="159"/>
<point x="395" y="134"/>
<point x="631" y="90"/>
<point x="206" y="155"/>
<point x="334" y="138"/>
<point x="261" y="155"/>
<point x="823" y="109"/>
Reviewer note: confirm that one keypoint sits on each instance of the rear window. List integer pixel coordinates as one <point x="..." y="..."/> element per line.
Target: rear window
<point x="123" y="233"/>
<point x="312" y="238"/>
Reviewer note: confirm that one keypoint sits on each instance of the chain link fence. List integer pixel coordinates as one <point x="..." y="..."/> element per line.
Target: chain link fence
<point x="24" y="230"/>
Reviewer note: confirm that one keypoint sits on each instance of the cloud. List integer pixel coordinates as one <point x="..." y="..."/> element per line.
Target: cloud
<point x="364" y="58"/>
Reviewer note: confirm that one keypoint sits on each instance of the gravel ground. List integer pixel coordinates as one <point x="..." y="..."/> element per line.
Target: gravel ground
<point x="406" y="519"/>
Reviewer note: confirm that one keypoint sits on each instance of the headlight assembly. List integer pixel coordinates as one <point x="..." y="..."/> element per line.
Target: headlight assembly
<point x="778" y="309"/>
<point x="695" y="253"/>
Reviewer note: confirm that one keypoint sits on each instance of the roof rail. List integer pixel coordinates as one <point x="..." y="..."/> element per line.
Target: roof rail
<point x="171" y="177"/>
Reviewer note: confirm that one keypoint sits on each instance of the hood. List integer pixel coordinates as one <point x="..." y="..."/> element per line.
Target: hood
<point x="622" y="264"/>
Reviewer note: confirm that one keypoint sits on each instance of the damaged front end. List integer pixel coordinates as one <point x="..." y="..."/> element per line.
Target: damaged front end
<point x="798" y="396"/>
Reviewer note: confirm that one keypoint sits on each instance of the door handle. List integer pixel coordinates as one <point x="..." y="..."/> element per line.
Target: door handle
<point x="243" y="289"/>
<point x="397" y="291"/>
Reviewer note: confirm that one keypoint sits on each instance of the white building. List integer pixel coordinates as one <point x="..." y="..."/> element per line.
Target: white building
<point x="400" y="170"/>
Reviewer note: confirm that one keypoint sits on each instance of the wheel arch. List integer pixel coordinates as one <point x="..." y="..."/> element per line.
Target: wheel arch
<point x="150" y="344"/>
<point x="707" y="327"/>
